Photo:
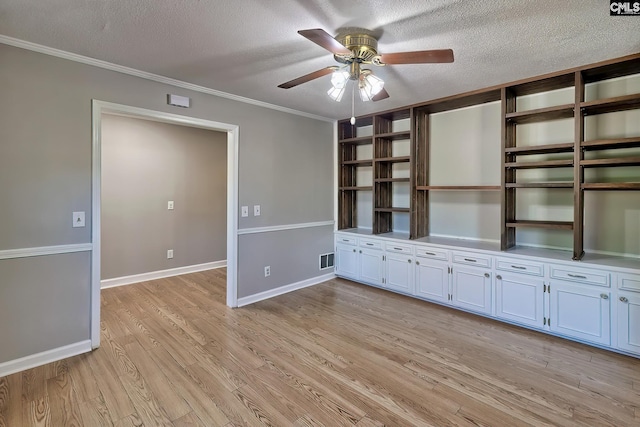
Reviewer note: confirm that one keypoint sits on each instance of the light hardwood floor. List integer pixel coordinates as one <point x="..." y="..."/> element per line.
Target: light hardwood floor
<point x="334" y="354"/>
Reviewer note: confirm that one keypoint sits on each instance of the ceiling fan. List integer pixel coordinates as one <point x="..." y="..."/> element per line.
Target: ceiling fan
<point x="354" y="50"/>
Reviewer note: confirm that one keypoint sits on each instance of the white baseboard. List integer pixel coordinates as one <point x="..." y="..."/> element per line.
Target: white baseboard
<point x="39" y="359"/>
<point x="284" y="289"/>
<point x="136" y="278"/>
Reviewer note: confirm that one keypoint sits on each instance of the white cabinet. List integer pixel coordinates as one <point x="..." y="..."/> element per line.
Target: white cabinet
<point x="360" y="259"/>
<point x="580" y="311"/>
<point x="400" y="272"/>
<point x="520" y="298"/>
<point x="346" y="261"/>
<point x="629" y="322"/>
<point x="471" y="289"/>
<point x="628" y="305"/>
<point x="371" y="266"/>
<point x="432" y="280"/>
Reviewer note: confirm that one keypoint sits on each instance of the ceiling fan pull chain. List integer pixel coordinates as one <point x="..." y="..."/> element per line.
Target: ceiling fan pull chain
<point x="353" y="104"/>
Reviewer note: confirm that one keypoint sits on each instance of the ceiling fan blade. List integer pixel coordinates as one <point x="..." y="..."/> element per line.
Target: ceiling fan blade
<point x="323" y="39"/>
<point x="383" y="94"/>
<point x="307" y="78"/>
<point x="418" y="57"/>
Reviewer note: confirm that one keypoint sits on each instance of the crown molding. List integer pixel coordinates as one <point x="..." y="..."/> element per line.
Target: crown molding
<point x="150" y="76"/>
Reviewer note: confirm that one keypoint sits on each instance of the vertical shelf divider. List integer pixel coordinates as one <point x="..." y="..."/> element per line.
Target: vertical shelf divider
<point x="578" y="171"/>
<point x="507" y="195"/>
<point x="419" y="174"/>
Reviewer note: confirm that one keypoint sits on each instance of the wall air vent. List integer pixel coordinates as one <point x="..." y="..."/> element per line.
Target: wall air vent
<point x="326" y="261"/>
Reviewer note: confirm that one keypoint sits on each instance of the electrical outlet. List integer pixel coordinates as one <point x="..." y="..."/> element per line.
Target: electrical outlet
<point x="267" y="271"/>
<point x="256" y="210"/>
<point x="170" y="205"/>
<point x="245" y="211"/>
<point x="169" y="253"/>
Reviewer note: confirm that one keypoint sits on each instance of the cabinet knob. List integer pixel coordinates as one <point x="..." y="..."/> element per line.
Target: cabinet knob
<point x="624" y="299"/>
<point x="604" y="296"/>
<point x="417" y="262"/>
<point x="487" y="275"/>
<point x="360" y="251"/>
<point x="354" y="250"/>
<point x="409" y="261"/>
<point x="499" y="277"/>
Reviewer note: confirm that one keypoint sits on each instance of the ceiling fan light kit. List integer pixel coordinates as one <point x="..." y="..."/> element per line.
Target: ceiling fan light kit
<point x="353" y="50"/>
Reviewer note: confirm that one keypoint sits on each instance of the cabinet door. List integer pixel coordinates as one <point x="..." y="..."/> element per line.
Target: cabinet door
<point x="346" y="261"/>
<point x="399" y="270"/>
<point x="472" y="289"/>
<point x="371" y="266"/>
<point x="580" y="311"/>
<point x="520" y="299"/>
<point x="629" y="322"/>
<point x="432" y="280"/>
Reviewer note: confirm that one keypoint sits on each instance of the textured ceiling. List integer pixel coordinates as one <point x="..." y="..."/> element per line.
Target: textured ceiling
<point x="248" y="47"/>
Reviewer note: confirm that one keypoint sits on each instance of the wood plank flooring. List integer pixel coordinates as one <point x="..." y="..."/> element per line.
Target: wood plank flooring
<point x="336" y="354"/>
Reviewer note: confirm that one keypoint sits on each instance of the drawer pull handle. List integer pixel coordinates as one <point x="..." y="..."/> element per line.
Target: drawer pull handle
<point x="576" y="276"/>
<point x="604" y="296"/>
<point x="624" y="299"/>
<point x="345" y="240"/>
<point x="369" y="244"/>
<point x="398" y="249"/>
<point x="430" y="253"/>
<point x="518" y="267"/>
<point x="470" y="260"/>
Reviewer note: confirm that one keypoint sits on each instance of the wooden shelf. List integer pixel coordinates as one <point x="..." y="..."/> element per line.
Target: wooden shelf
<point x="553" y="184"/>
<point x="399" y="159"/>
<point x="541" y="114"/>
<point x="458" y="187"/>
<point x="604" y="186"/>
<point x="394" y="136"/>
<point x="557" y="225"/>
<point x="360" y="140"/>
<point x="366" y="162"/>
<point x="541" y="149"/>
<point x="392" y="180"/>
<point x="611" y="105"/>
<point x="540" y="165"/>
<point x="606" y="144"/>
<point x="403" y="210"/>
<point x="610" y="163"/>
<point x="537" y="85"/>
<point x="355" y="188"/>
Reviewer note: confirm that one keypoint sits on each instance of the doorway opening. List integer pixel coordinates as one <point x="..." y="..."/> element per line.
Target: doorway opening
<point x="100" y="108"/>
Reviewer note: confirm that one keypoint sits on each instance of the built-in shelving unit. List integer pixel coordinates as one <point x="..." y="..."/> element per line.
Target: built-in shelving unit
<point x="549" y="138"/>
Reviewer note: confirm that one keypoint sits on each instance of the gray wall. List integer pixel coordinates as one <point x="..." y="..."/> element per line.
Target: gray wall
<point x="286" y="166"/>
<point x="44" y="303"/>
<point x="144" y="165"/>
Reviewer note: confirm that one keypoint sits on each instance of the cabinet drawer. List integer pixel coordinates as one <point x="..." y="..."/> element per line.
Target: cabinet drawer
<point x="431" y="253"/>
<point x="629" y="282"/>
<point x="517" y="266"/>
<point x="346" y="240"/>
<point x="371" y="244"/>
<point x="471" y="259"/>
<point x="404" y="249"/>
<point x="590" y="277"/>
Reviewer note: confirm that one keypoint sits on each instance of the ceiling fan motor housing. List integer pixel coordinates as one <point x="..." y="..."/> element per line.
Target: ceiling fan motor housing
<point x="362" y="46"/>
